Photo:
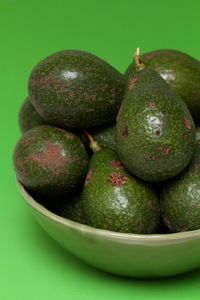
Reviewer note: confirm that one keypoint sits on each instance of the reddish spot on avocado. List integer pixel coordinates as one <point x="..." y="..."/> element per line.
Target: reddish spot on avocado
<point x="47" y="81"/>
<point x="151" y="157"/>
<point x="51" y="158"/>
<point x="152" y="105"/>
<point x="125" y="132"/>
<point x="196" y="166"/>
<point x="88" y="177"/>
<point x="167" y="224"/>
<point x="164" y="150"/>
<point x="68" y="136"/>
<point x="117" y="179"/>
<point x="132" y="82"/>
<point x="186" y="123"/>
<point x="116" y="164"/>
<point x="20" y="166"/>
<point x="141" y="226"/>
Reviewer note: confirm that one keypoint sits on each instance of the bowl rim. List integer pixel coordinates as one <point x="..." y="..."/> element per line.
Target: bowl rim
<point x="161" y="238"/>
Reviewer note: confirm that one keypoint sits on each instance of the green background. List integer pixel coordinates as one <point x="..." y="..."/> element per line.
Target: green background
<point x="32" y="265"/>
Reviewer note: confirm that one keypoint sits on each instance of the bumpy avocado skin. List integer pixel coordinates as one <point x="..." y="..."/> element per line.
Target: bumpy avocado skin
<point x="73" y="209"/>
<point x="181" y="71"/>
<point x="115" y="200"/>
<point x="28" y="117"/>
<point x="75" y="89"/>
<point x="50" y="161"/>
<point x="155" y="131"/>
<point x="180" y="198"/>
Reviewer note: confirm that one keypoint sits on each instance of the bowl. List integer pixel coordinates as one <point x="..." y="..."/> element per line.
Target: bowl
<point x="132" y="255"/>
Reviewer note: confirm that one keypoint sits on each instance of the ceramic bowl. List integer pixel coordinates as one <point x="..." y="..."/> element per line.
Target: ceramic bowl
<point x="132" y="255"/>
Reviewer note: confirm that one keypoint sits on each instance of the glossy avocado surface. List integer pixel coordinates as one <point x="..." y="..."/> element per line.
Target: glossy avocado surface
<point x="115" y="200"/>
<point x="155" y="131"/>
<point x="180" y="198"/>
<point x="180" y="70"/>
<point x="50" y="161"/>
<point x="76" y="89"/>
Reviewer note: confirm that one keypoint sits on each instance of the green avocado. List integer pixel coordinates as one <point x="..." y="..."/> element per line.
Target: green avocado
<point x="28" y="117"/>
<point x="75" y="89"/>
<point x="180" y="198"/>
<point x="50" y="161"/>
<point x="197" y="132"/>
<point x="155" y="131"/>
<point x="181" y="71"/>
<point x="73" y="209"/>
<point x="115" y="200"/>
<point x="105" y="137"/>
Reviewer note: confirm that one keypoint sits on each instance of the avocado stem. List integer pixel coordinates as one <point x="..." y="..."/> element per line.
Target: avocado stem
<point x="94" y="146"/>
<point x="139" y="64"/>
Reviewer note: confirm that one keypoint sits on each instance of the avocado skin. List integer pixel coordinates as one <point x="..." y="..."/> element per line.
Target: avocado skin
<point x="115" y="200"/>
<point x="50" y="161"/>
<point x="180" y="198"/>
<point x="197" y="132"/>
<point x="28" y="117"/>
<point x="73" y="209"/>
<point x="181" y="72"/>
<point x="104" y="136"/>
<point x="155" y="131"/>
<point x="75" y="89"/>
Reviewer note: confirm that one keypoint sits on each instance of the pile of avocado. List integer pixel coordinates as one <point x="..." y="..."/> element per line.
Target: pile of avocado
<point x="114" y="151"/>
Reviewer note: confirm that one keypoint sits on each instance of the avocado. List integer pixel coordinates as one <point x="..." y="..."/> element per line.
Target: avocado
<point x="28" y="117"/>
<point x="73" y="209"/>
<point x="180" y="198"/>
<point x="50" y="161"/>
<point x="155" y="131"/>
<point x="181" y="72"/>
<point x="115" y="200"/>
<point x="75" y="89"/>
<point x="105" y="136"/>
<point x="197" y="132"/>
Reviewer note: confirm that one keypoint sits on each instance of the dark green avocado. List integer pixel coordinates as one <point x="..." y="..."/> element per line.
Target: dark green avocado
<point x="180" y="198"/>
<point x="28" y="117"/>
<point x="115" y="200"/>
<point x="75" y="89"/>
<point x="104" y="136"/>
<point x="73" y="209"/>
<point x="50" y="161"/>
<point x="198" y="132"/>
<point x="155" y="131"/>
<point x="181" y="71"/>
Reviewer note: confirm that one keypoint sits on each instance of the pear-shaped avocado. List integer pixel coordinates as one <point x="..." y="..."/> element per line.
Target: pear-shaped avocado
<point x="73" y="209"/>
<point x="50" y="161"/>
<point x="115" y="200"/>
<point x="29" y="117"/>
<point x="180" y="198"/>
<point x="155" y="131"/>
<point x="75" y="89"/>
<point x="181" y="71"/>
